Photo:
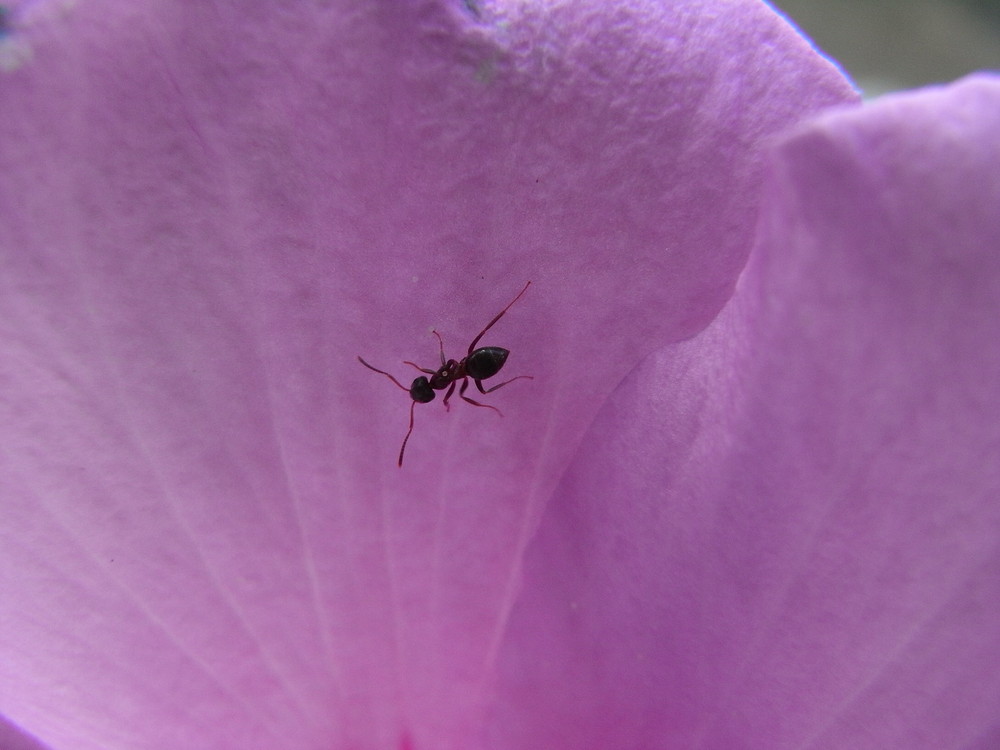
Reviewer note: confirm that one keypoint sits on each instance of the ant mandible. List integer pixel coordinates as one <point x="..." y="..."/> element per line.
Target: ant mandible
<point x="478" y="364"/>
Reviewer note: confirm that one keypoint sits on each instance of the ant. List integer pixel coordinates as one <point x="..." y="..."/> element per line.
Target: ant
<point x="478" y="364"/>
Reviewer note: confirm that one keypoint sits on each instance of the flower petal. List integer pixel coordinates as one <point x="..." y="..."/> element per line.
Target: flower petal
<point x="210" y="211"/>
<point x="784" y="532"/>
<point x="13" y="738"/>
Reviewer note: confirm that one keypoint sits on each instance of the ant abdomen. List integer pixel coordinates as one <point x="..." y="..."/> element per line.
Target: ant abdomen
<point x="486" y="362"/>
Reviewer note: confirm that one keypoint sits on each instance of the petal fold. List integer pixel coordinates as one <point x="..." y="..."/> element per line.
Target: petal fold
<point x="783" y="533"/>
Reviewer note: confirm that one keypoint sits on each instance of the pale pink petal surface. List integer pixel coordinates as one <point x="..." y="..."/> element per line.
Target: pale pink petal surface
<point x="209" y="210"/>
<point x="785" y="532"/>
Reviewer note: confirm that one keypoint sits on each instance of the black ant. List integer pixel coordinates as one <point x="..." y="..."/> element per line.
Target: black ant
<point x="478" y="364"/>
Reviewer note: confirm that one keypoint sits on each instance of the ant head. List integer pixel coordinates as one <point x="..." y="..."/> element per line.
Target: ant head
<point x="421" y="391"/>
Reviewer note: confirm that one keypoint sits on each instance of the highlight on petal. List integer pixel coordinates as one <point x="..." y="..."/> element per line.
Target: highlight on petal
<point x="210" y="211"/>
<point x="783" y="533"/>
<point x="22" y="21"/>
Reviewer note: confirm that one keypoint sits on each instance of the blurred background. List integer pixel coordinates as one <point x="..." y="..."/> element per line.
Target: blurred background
<point x="885" y="45"/>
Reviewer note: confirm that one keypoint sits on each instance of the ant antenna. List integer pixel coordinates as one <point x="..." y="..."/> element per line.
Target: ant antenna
<point x="399" y="463"/>
<point x="499" y="315"/>
<point x="400" y="385"/>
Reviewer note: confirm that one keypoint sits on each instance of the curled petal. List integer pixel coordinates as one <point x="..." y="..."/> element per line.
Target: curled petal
<point x="783" y="533"/>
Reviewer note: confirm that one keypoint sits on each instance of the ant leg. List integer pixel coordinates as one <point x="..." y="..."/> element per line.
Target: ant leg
<point x="479" y="383"/>
<point x="440" y="343"/>
<point x="414" y="364"/>
<point x="401" y="450"/>
<point x="451" y="390"/>
<point x="461" y="392"/>
<point x="489" y="325"/>
<point x="384" y="373"/>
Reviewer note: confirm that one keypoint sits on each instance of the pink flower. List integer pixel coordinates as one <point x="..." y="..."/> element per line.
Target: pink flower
<point x="749" y="499"/>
